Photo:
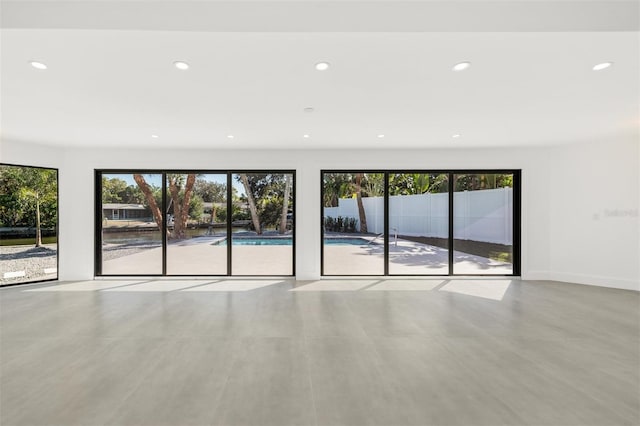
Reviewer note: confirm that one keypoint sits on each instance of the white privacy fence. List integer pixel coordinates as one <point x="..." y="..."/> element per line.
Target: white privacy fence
<point x="485" y="215"/>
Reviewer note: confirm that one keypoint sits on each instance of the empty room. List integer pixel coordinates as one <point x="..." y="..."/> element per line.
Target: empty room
<point x="319" y="213"/>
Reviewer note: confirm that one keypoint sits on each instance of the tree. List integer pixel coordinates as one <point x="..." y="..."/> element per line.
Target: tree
<point x="151" y="200"/>
<point x="181" y="199"/>
<point x="252" y="203"/>
<point x="40" y="186"/>
<point x="361" y="212"/>
<point x="112" y="189"/>
<point x="12" y="207"/>
<point x="346" y="185"/>
<point x="196" y="207"/>
<point x="417" y="183"/>
<point x="335" y="186"/>
<point x="116" y="190"/>
<point x="211" y="192"/>
<point x="285" y="204"/>
<point x="476" y="182"/>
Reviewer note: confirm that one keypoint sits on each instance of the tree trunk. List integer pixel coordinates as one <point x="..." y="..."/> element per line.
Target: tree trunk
<point x="181" y="208"/>
<point x="212" y="220"/>
<point x="285" y="204"/>
<point x="252" y="204"/>
<point x="361" y="212"/>
<point x="38" y="230"/>
<point x="148" y="195"/>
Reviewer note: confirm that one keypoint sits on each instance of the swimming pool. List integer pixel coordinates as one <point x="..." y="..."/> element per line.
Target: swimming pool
<point x="266" y="241"/>
<point x="257" y="241"/>
<point x="345" y="242"/>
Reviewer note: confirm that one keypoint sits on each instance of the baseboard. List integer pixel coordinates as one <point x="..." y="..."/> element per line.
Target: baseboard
<point x="535" y="275"/>
<point x="595" y="280"/>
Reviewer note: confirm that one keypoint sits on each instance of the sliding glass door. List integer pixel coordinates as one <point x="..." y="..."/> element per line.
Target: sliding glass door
<point x="353" y="223"/>
<point x="262" y="237"/>
<point x="420" y="222"/>
<point x="483" y="223"/>
<point x="195" y="223"/>
<point x="131" y="223"/>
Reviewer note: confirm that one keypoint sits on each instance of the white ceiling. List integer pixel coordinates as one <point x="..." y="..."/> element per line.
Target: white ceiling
<point x="117" y="87"/>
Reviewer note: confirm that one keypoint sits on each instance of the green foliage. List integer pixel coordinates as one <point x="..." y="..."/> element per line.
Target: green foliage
<point x="476" y="182"/>
<point x="240" y="214"/>
<point x="340" y="224"/>
<point x="116" y="190"/>
<point x="343" y="185"/>
<point x="20" y="189"/>
<point x="221" y="215"/>
<point x="210" y="192"/>
<point x="417" y="183"/>
<point x="268" y="192"/>
<point x="196" y="207"/>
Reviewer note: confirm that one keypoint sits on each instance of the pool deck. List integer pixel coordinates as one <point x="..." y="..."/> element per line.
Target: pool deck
<point x="200" y="256"/>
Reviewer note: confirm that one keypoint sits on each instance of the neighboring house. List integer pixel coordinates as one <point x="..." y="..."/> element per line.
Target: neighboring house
<point x="117" y="211"/>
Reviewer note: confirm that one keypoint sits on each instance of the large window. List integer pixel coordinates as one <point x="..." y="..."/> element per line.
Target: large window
<point x="353" y="223"/>
<point x="28" y="224"/>
<point x="420" y="222"/>
<point x="262" y="243"/>
<point x="131" y="224"/>
<point x="195" y="223"/>
<point x="483" y="223"/>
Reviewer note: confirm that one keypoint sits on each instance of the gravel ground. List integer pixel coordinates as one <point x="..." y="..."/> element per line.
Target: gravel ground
<point x="30" y="259"/>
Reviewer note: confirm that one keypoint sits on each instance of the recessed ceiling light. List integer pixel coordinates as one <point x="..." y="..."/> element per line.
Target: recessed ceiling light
<point x="309" y="109"/>
<point x="38" y="65"/>
<point x="602" y="66"/>
<point x="322" y="66"/>
<point x="381" y="136"/>
<point x="230" y="136"/>
<point x="455" y="136"/>
<point x="461" y="66"/>
<point x="155" y="136"/>
<point x="181" y="65"/>
<point x="305" y="136"/>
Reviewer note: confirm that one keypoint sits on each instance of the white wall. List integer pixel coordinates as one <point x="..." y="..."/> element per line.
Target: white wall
<point x="24" y="154"/>
<point x="479" y="215"/>
<point x="594" y="235"/>
<point x="554" y="244"/>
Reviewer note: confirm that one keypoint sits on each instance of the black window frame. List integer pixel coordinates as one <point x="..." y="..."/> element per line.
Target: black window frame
<point x="57" y="277"/>
<point x="517" y="218"/>
<point x="98" y="173"/>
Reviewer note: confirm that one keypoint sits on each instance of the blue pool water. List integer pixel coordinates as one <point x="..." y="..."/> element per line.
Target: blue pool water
<point x="265" y="241"/>
<point x="345" y="242"/>
<point x="257" y="241"/>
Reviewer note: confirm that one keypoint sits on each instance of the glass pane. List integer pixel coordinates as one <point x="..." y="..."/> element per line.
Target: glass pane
<point x="418" y="224"/>
<point x="483" y="224"/>
<point x="262" y="237"/>
<point x="353" y="220"/>
<point x="132" y="224"/>
<point x="28" y="224"/>
<point x="197" y="222"/>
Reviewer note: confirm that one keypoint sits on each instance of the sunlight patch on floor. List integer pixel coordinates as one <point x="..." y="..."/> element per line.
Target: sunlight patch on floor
<point x="406" y="285"/>
<point x="487" y="289"/>
<point x="335" y="285"/>
<point x="159" y="285"/>
<point x="232" y="285"/>
<point x="85" y="286"/>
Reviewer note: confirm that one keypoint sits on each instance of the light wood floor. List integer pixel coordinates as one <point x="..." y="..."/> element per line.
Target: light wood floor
<point x="426" y="352"/>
